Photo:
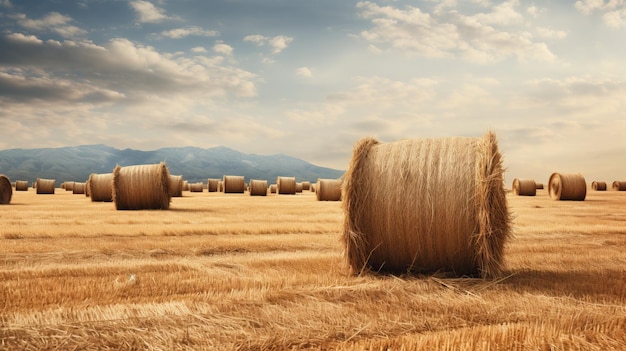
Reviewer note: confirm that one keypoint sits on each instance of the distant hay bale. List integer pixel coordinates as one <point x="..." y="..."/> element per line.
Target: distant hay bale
<point x="45" y="186"/>
<point x="426" y="205"/>
<point x="598" y="186"/>
<point x="328" y="190"/>
<point x="524" y="187"/>
<point x="213" y="185"/>
<point x="286" y="185"/>
<point x="539" y="186"/>
<point x="176" y="186"/>
<point x="78" y="188"/>
<point x="68" y="186"/>
<point x="100" y="187"/>
<point x="273" y="189"/>
<point x="619" y="185"/>
<point x="21" y="185"/>
<point x="196" y="187"/>
<point x="141" y="187"/>
<point x="298" y="187"/>
<point x="220" y="187"/>
<point x="313" y="187"/>
<point x="6" y="190"/>
<point x="234" y="184"/>
<point x="567" y="187"/>
<point x="258" y="187"/>
<point x="306" y="185"/>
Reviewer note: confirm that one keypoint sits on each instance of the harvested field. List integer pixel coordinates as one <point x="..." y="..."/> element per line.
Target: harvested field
<point x="77" y="274"/>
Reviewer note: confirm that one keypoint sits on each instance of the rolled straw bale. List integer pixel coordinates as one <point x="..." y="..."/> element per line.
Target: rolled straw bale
<point x="598" y="186"/>
<point x="234" y="184"/>
<point x="87" y="193"/>
<point x="185" y="185"/>
<point x="68" y="186"/>
<point x="176" y="186"/>
<point x="258" y="187"/>
<point x="212" y="185"/>
<point x="567" y="187"/>
<point x="100" y="187"/>
<point x="524" y="187"/>
<point x="298" y="187"/>
<point x="45" y="186"/>
<point x="196" y="187"/>
<point x="328" y="189"/>
<point x="539" y="186"/>
<point x="619" y="185"/>
<point x="306" y="185"/>
<point x="220" y="186"/>
<point x="273" y="189"/>
<point x="141" y="187"/>
<point x="6" y="190"/>
<point x="78" y="188"/>
<point x="426" y="205"/>
<point x="286" y="185"/>
<point x="313" y="187"/>
<point x="21" y="185"/>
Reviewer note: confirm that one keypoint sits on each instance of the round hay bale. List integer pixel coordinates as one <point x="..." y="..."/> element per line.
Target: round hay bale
<point x="68" y="186"/>
<point x="234" y="184"/>
<point x="539" y="186"/>
<point x="619" y="185"/>
<point x="176" y="186"/>
<point x="6" y="190"/>
<point x="213" y="185"/>
<point x="298" y="187"/>
<point x="273" y="189"/>
<point x="141" y="187"/>
<point x="598" y="186"/>
<point x="328" y="190"/>
<point x="258" y="187"/>
<point x="21" y="185"/>
<point x="100" y="187"/>
<point x="196" y="187"/>
<point x="286" y="185"/>
<point x="524" y="187"/>
<point x="567" y="187"/>
<point x="426" y="205"/>
<point x="78" y="188"/>
<point x="45" y="186"/>
<point x="306" y="185"/>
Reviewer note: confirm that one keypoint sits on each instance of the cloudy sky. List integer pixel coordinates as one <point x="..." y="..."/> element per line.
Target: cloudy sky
<point x="310" y="78"/>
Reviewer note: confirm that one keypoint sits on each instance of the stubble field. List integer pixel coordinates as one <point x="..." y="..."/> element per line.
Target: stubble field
<point x="235" y="272"/>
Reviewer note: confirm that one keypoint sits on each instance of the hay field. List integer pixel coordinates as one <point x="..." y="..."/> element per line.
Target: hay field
<point x="235" y="272"/>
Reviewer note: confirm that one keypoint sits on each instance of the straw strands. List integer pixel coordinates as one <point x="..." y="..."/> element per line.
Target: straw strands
<point x="45" y="186"/>
<point x="598" y="186"/>
<point x="286" y="185"/>
<point x="567" y="187"/>
<point x="328" y="190"/>
<point x="258" y="187"/>
<point x="213" y="185"/>
<point x="100" y="187"/>
<point x="6" y="190"/>
<point x="619" y="185"/>
<point x="78" y="188"/>
<point x="234" y="184"/>
<point x="176" y="186"/>
<point x="141" y="187"/>
<point x="524" y="187"/>
<point x="426" y="205"/>
<point x="21" y="185"/>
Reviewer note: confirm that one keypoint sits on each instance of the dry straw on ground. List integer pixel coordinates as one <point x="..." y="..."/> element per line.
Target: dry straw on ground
<point x="6" y="190"/>
<point x="598" y="186"/>
<point x="258" y="187"/>
<point x="176" y="185"/>
<point x="567" y="187"/>
<point x="212" y="185"/>
<point x="524" y="187"/>
<point x="45" y="186"/>
<point x="426" y="205"/>
<point x="619" y="185"/>
<point x="234" y="184"/>
<point x="328" y="190"/>
<point x="100" y="187"/>
<point x="79" y="188"/>
<point x="286" y="185"/>
<point x="21" y="185"/>
<point x="141" y="187"/>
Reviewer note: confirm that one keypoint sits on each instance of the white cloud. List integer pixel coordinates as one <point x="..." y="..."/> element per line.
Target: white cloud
<point x="147" y="12"/>
<point x="179" y="33"/>
<point x="53" y="21"/>
<point x="544" y="32"/>
<point x="198" y="49"/>
<point x="277" y="43"/>
<point x="615" y="19"/>
<point x="222" y="48"/>
<point x="614" y="11"/>
<point x="304" y="72"/>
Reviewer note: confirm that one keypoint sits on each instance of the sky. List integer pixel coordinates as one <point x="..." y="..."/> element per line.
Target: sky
<point x="309" y="78"/>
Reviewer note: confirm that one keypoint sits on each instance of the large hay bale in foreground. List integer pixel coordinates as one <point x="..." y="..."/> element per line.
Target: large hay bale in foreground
<point x="524" y="187"/>
<point x="286" y="185"/>
<point x="258" y="187"/>
<point x="234" y="184"/>
<point x="176" y="186"/>
<point x="21" y="185"/>
<point x="619" y="185"/>
<point x="45" y="186"/>
<point x="598" y="186"/>
<point x="213" y="185"/>
<point x="6" y="190"/>
<point x="426" y="205"/>
<point x="100" y="187"/>
<point x="78" y="188"/>
<point x="141" y="187"/>
<point x="567" y="187"/>
<point x="328" y="190"/>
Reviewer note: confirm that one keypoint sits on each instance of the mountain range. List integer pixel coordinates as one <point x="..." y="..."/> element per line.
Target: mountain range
<point x="76" y="163"/>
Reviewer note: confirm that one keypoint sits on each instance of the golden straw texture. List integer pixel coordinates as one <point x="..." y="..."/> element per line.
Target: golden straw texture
<point x="141" y="187"/>
<point x="524" y="187"/>
<point x="234" y="184"/>
<point x="212" y="185"/>
<point x="619" y="185"/>
<point x="100" y="187"/>
<point x="286" y="185"/>
<point x="176" y="186"/>
<point x="567" y="187"/>
<point x="598" y="186"/>
<point x="328" y="190"/>
<point x="45" y="186"/>
<point x="78" y="188"/>
<point x="6" y="190"/>
<point x="258" y="187"/>
<point x="426" y="205"/>
<point x="21" y="185"/>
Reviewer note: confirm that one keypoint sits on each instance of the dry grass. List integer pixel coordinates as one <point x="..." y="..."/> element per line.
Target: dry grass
<point x="223" y="272"/>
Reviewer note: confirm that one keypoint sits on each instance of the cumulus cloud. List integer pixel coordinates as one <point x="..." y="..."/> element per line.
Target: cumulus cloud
<point x="222" y="48"/>
<point x="304" y="72"/>
<point x="614" y="11"/>
<point x="147" y="12"/>
<point x="54" y="22"/>
<point x="198" y="49"/>
<point x="179" y="33"/>
<point x="277" y="43"/>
